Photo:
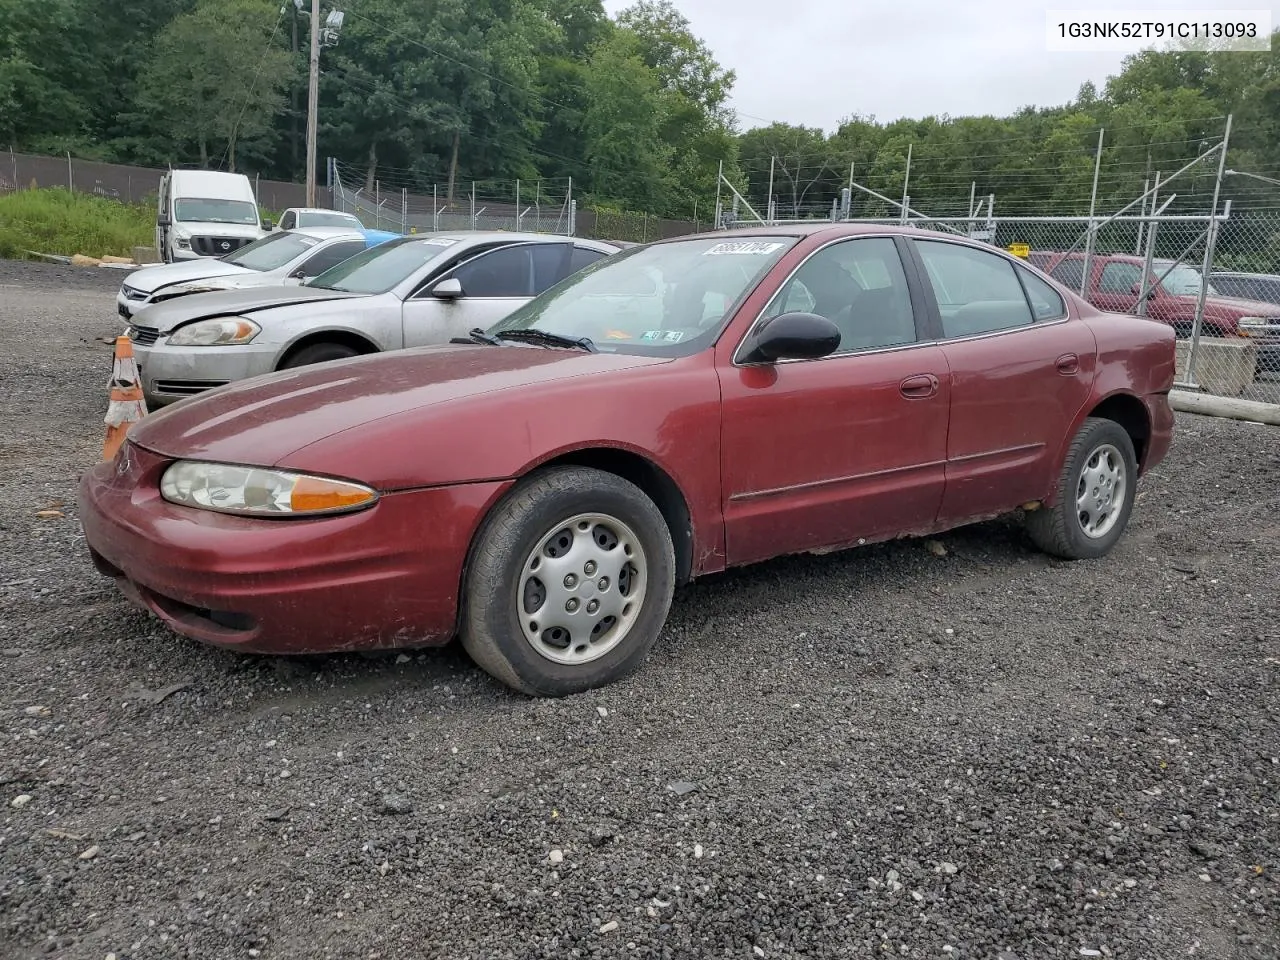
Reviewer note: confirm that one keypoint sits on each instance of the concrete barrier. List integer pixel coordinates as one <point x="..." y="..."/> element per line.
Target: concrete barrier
<point x="1228" y="407"/>
<point x="145" y="255"/>
<point x="1224" y="367"/>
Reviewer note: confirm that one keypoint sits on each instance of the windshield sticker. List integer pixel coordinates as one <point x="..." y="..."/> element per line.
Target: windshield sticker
<point x="617" y="335"/>
<point x="747" y="247"/>
<point x="308" y="242"/>
<point x="652" y="335"/>
<point x="674" y="336"/>
<point x="439" y="241"/>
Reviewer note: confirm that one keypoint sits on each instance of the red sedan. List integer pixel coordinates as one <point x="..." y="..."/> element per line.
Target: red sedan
<point x="695" y="404"/>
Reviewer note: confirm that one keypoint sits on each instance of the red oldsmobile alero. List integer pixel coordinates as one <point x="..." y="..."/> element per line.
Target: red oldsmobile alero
<point x="541" y="488"/>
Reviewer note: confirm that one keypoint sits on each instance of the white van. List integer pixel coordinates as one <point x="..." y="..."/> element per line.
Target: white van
<point x="205" y="213"/>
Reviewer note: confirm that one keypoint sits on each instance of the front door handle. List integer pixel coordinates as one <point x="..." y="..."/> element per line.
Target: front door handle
<point x="1068" y="364"/>
<point x="919" y="387"/>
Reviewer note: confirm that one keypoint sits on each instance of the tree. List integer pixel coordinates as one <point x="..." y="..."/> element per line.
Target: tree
<point x="216" y="79"/>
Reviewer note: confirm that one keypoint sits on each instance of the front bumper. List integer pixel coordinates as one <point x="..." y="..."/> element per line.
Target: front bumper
<point x="173" y="373"/>
<point x="385" y="577"/>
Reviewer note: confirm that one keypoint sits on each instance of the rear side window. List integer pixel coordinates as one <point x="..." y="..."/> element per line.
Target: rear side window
<point x="550" y="264"/>
<point x="1069" y="273"/>
<point x="1046" y="302"/>
<point x="977" y="292"/>
<point x="583" y="257"/>
<point x="331" y="256"/>
<point x="1119" y="277"/>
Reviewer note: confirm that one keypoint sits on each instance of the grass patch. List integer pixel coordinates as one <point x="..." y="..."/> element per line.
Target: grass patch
<point x="55" y="220"/>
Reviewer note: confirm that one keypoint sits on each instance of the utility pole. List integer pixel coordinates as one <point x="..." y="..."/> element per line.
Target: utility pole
<point x="313" y="97"/>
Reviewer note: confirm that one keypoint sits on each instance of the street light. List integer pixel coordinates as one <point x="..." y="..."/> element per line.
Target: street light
<point x="328" y="37"/>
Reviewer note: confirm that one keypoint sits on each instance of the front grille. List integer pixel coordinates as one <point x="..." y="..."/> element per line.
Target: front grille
<point x="186" y="388"/>
<point x="217" y="246"/>
<point x="132" y="293"/>
<point x="144" y="335"/>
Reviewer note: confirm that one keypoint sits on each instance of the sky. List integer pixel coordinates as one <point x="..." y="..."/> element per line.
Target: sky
<point x="815" y="62"/>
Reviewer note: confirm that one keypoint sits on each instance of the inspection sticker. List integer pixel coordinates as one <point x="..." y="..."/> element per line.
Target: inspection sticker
<point x="747" y="247"/>
<point x="439" y="241"/>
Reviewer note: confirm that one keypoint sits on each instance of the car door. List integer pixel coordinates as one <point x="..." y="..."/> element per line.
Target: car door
<point x="852" y="447"/>
<point x="494" y="283"/>
<point x="1021" y="370"/>
<point x="1118" y="287"/>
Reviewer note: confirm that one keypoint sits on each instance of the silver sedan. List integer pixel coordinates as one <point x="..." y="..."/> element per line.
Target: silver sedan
<point x="408" y="292"/>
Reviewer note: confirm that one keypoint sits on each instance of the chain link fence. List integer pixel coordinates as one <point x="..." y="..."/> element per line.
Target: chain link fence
<point x="533" y="206"/>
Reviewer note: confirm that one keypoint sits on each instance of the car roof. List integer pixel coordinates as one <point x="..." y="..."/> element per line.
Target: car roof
<point x="318" y="210"/>
<point x="827" y="229"/>
<point x="325" y="233"/>
<point x="465" y="238"/>
<point x="1240" y="274"/>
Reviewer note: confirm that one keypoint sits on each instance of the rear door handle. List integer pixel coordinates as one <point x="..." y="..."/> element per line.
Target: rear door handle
<point x="1068" y="364"/>
<point x="920" y="386"/>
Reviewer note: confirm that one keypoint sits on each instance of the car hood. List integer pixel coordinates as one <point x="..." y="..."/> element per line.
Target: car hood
<point x="168" y="314"/>
<point x="264" y="420"/>
<point x="237" y="281"/>
<point x="209" y="228"/>
<point x="150" y="279"/>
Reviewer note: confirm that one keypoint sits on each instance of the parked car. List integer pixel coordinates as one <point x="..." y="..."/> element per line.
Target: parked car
<point x="682" y="407"/>
<point x="295" y="217"/>
<point x="409" y="291"/>
<point x="280" y="258"/>
<point x="205" y="213"/>
<point x="1173" y="292"/>
<point x="1264" y="287"/>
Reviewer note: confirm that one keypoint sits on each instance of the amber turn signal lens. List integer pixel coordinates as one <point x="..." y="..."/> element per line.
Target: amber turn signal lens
<point x="311" y="494"/>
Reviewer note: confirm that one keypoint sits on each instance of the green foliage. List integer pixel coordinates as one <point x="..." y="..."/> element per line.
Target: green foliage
<point x="55" y="220"/>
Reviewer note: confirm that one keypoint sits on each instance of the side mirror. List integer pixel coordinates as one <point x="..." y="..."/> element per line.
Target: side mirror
<point x="448" y="289"/>
<point x="1151" y="293"/>
<point x="163" y="220"/>
<point x="793" y="336"/>
<point x="268" y="225"/>
<point x="299" y="274"/>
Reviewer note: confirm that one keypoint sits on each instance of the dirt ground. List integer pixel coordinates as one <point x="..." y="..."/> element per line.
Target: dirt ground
<point x="880" y="753"/>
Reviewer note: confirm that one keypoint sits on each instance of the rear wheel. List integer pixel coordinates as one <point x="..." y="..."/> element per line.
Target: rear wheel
<point x="1095" y="495"/>
<point x="570" y="583"/>
<point x="318" y="353"/>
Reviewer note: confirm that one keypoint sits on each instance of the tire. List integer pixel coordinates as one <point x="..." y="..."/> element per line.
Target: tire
<point x="1063" y="530"/>
<point x="318" y="353"/>
<point x="570" y="521"/>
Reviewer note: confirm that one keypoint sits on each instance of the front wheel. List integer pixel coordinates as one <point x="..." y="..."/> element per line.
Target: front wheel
<point x="570" y="583"/>
<point x="318" y="353"/>
<point x="1095" y="496"/>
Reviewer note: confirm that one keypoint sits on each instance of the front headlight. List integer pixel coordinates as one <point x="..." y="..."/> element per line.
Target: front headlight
<point x="1251" y="326"/>
<point x="218" y="332"/>
<point x="259" y="491"/>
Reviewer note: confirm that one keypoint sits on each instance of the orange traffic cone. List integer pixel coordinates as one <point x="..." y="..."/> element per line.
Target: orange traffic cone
<point x="127" y="406"/>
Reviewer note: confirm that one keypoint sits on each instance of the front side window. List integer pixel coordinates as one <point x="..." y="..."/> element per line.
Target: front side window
<point x="331" y="256"/>
<point x="384" y="267"/>
<point x="272" y="251"/>
<point x="977" y="292"/>
<point x="289" y="221"/>
<point x="505" y="272"/>
<point x="192" y="210"/>
<point x="859" y="285"/>
<point x="671" y="298"/>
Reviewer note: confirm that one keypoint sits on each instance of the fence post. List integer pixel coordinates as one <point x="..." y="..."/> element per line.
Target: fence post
<point x="768" y="206"/>
<point x="573" y="217"/>
<point x="377" y="204"/>
<point x="719" y="208"/>
<point x="517" y="204"/>
<point x="906" y="179"/>
<point x="404" y="209"/>
<point x="1151" y="248"/>
<point x="435" y="209"/>
<point x="1210" y="245"/>
<point x="473" y="204"/>
<point x="1093" y="203"/>
<point x="1142" y="212"/>
<point x="70" y="179"/>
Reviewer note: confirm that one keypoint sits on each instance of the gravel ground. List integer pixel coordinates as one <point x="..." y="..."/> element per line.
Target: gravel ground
<point x="882" y="753"/>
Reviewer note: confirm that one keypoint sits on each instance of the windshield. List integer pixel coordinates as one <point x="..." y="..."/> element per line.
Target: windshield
<point x="382" y="268"/>
<point x="669" y="298"/>
<point x="328" y="219"/>
<point x="1182" y="281"/>
<point x="215" y="211"/>
<point x="272" y="251"/>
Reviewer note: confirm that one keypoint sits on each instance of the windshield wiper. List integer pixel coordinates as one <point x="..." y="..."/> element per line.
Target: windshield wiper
<point x="476" y="335"/>
<point x="534" y="335"/>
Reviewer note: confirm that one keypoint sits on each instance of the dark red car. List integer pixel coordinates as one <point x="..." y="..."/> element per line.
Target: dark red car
<point x="677" y="409"/>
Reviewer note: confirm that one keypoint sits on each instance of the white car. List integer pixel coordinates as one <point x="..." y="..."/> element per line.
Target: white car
<point x="296" y="217"/>
<point x="407" y="292"/>
<point x="282" y="258"/>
